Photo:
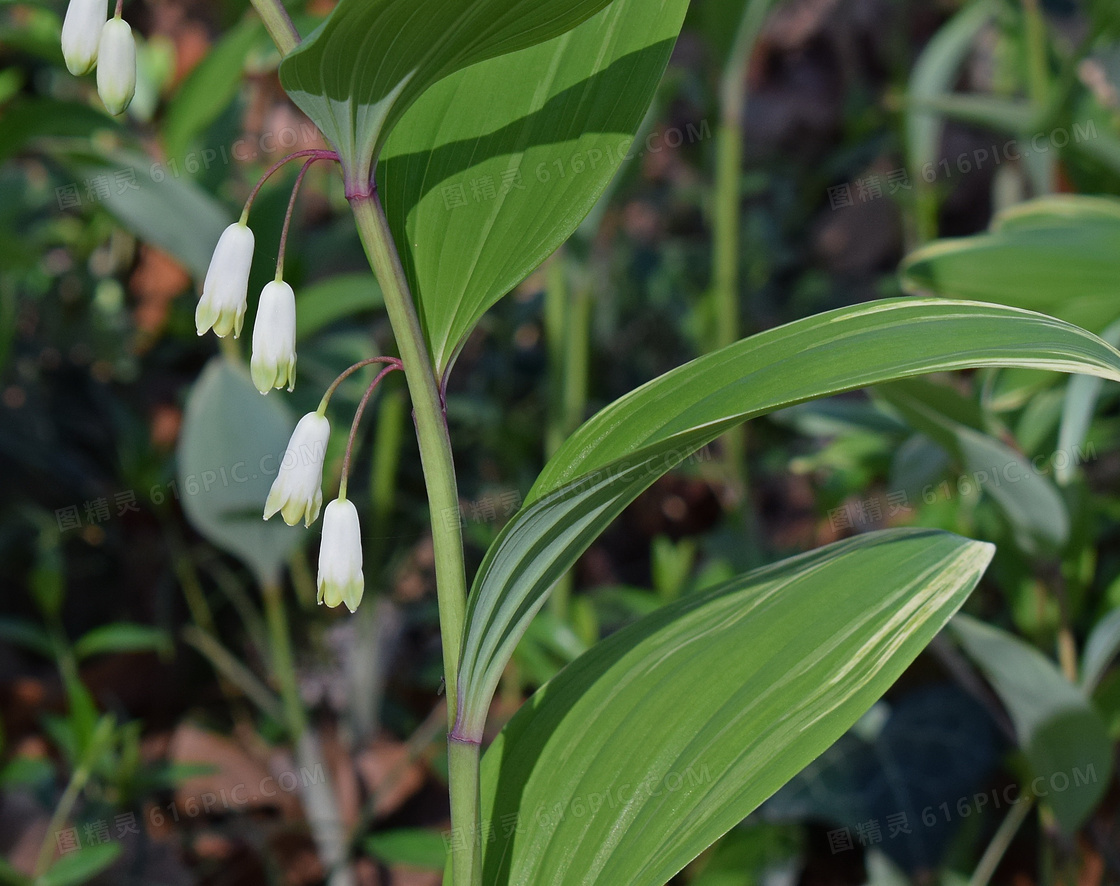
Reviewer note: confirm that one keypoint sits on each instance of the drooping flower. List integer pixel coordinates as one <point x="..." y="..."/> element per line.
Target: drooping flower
<point x="297" y="490"/>
<point x="340" y="556"/>
<point x="273" y="364"/>
<point x="116" y="65"/>
<point x="226" y="288"/>
<point x="81" y="34"/>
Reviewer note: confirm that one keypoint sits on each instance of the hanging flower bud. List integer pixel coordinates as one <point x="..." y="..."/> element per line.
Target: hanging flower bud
<point x="226" y="287"/>
<point x="116" y="65"/>
<point x="274" y="338"/>
<point x="81" y="34"/>
<point x="297" y="490"/>
<point x="340" y="556"/>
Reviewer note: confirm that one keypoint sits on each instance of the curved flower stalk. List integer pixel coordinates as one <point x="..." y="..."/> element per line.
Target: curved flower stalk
<point x="116" y="69"/>
<point x="273" y="364"/>
<point x="274" y="336"/>
<point x="340" y="577"/>
<point x="296" y="492"/>
<point x="81" y="34"/>
<point x="225" y="290"/>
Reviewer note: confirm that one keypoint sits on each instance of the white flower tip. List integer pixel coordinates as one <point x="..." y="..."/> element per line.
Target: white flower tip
<point x="225" y="290"/>
<point x="116" y="68"/>
<point x="296" y="492"/>
<point x="81" y="34"/>
<point x="274" y="338"/>
<point x="340" y="557"/>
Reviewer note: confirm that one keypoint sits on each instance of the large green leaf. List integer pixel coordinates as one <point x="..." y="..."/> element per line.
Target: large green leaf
<point x="619" y="452"/>
<point x="1062" y="735"/>
<point x="230" y="450"/>
<point x="706" y="707"/>
<point x="1055" y="254"/>
<point x="491" y="170"/>
<point x="362" y="68"/>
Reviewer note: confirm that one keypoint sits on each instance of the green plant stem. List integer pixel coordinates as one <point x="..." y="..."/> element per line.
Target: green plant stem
<point x="726" y="236"/>
<point x="568" y="330"/>
<point x="725" y="218"/>
<point x="377" y="623"/>
<point x="1008" y="828"/>
<point x="1037" y="67"/>
<point x="319" y="802"/>
<point x="280" y="649"/>
<point x="431" y="433"/>
<point x="466" y="863"/>
<point x="101" y="737"/>
<point x="278" y="24"/>
<point x="1038" y="83"/>
<point x="443" y="501"/>
<point x="231" y="670"/>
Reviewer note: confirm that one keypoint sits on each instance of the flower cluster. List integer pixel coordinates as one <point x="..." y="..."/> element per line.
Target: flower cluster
<point x="296" y="494"/>
<point x="88" y="40"/>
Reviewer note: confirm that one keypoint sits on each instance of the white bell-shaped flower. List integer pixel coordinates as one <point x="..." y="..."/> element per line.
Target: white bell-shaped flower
<point x="340" y="556"/>
<point x="81" y="34"/>
<point x="273" y="364"/>
<point x="297" y="491"/>
<point x="226" y="287"/>
<point x="116" y="65"/>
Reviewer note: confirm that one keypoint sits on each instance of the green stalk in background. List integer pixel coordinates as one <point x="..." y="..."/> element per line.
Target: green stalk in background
<point x="377" y="622"/>
<point x="439" y="475"/>
<point x="727" y="188"/>
<point x="278" y="24"/>
<point x="319" y="802"/>
<point x="567" y="325"/>
<point x="1041" y="165"/>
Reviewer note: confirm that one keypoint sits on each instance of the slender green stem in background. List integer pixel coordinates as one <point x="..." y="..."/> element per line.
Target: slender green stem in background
<point x="1037" y="67"/>
<point x="568" y="331"/>
<point x="384" y="466"/>
<point x="319" y="802"/>
<point x="725" y="218"/>
<point x="100" y="739"/>
<point x="278" y="24"/>
<point x="377" y="625"/>
<point x="443" y="502"/>
<point x="280" y="650"/>
<point x="1008" y="828"/>
<point x="1038" y="83"/>
<point x="231" y="670"/>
